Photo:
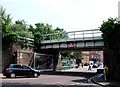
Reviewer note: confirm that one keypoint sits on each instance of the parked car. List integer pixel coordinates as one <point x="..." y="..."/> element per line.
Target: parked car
<point x="13" y="70"/>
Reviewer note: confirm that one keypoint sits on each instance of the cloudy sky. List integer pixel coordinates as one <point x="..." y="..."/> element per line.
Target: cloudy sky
<point x="71" y="15"/>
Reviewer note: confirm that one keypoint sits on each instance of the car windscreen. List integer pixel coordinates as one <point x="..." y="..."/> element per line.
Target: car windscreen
<point x="16" y="66"/>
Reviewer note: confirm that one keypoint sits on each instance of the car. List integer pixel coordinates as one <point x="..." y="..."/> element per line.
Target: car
<point x="13" y="70"/>
<point x="95" y="66"/>
<point x="100" y="68"/>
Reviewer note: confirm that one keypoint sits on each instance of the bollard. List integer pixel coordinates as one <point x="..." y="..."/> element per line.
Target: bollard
<point x="105" y="71"/>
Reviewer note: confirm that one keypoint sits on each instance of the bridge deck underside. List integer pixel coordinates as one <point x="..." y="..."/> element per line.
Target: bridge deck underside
<point x="71" y="43"/>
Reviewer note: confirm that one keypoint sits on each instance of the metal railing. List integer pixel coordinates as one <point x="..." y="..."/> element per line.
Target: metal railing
<point x="94" y="34"/>
<point x="24" y="40"/>
<point x="82" y="35"/>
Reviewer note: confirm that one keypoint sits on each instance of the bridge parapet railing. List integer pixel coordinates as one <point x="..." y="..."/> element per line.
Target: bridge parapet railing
<point x="26" y="41"/>
<point x="72" y="36"/>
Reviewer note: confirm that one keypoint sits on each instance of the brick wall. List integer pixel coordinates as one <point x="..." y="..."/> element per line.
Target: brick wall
<point x="7" y="57"/>
<point x="24" y="55"/>
<point x="12" y="55"/>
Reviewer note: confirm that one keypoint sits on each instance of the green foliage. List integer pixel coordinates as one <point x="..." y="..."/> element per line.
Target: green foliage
<point x="10" y="32"/>
<point x="9" y="40"/>
<point x="59" y="35"/>
<point x="20" y="27"/>
<point x="72" y="55"/>
<point x="111" y="33"/>
<point x="111" y="37"/>
<point x="65" y="54"/>
<point x="42" y="29"/>
<point x="19" y="31"/>
<point x="78" y="55"/>
<point x="6" y="20"/>
<point x="37" y="39"/>
<point x="7" y="37"/>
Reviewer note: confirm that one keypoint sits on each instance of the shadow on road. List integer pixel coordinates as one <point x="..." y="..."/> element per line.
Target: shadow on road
<point x="84" y="74"/>
<point x="17" y="77"/>
<point x="80" y="80"/>
<point x="38" y="85"/>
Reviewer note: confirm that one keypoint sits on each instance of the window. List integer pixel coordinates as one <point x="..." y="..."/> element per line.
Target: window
<point x="17" y="66"/>
<point x="25" y="67"/>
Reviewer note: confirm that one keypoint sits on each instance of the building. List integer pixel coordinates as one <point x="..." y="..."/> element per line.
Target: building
<point x="92" y="55"/>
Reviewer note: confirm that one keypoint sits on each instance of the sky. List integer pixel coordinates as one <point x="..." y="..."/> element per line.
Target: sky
<point x="71" y="15"/>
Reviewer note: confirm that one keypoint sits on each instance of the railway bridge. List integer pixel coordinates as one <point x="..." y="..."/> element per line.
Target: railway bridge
<point x="84" y="40"/>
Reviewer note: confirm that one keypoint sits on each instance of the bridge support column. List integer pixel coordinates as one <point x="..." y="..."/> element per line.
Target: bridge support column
<point x="57" y="62"/>
<point x="110" y="61"/>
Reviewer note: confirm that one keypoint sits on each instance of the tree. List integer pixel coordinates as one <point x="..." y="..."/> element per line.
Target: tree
<point x="43" y="31"/>
<point x="72" y="55"/>
<point x="60" y="34"/>
<point x="38" y="32"/>
<point x="8" y="37"/>
<point x="22" y="30"/>
<point x="12" y="31"/>
<point x="111" y="34"/>
<point x="19" y="31"/>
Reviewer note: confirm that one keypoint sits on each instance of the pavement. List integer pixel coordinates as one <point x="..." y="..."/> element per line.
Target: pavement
<point x="99" y="79"/>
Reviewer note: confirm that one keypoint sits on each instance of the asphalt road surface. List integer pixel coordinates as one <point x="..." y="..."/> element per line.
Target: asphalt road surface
<point x="59" y="79"/>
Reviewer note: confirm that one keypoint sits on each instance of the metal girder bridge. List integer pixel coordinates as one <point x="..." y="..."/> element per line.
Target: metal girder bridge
<point x="84" y="39"/>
